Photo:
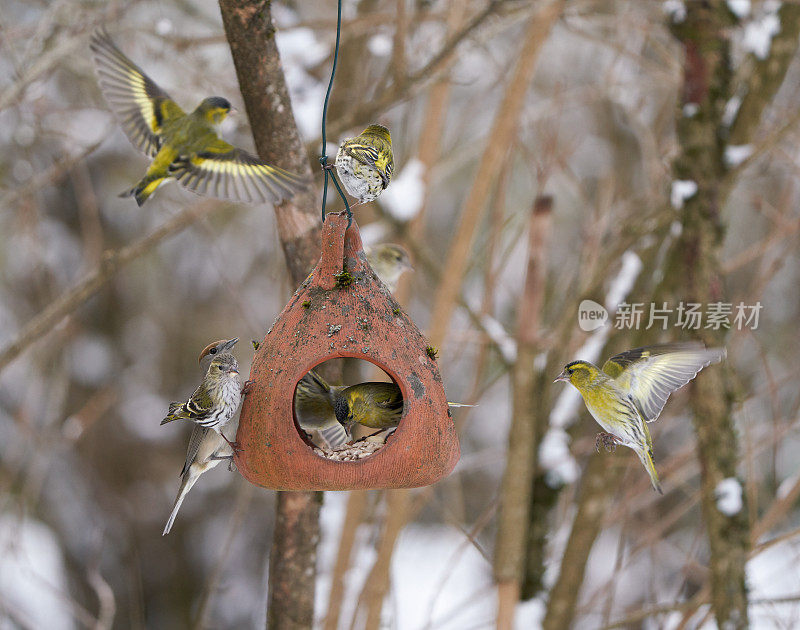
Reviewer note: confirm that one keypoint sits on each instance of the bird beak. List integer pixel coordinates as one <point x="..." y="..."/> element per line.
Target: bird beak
<point x="229" y="344"/>
<point x="233" y="372"/>
<point x="562" y="377"/>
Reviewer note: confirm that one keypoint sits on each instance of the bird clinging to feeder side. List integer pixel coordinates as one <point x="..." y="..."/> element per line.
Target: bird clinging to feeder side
<point x="632" y="389"/>
<point x="365" y="163"/>
<point x="183" y="146"/>
<point x="215" y="400"/>
<point x="206" y="447"/>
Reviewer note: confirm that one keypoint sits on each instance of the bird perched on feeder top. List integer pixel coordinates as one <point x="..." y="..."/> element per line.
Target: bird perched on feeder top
<point x="183" y="146"/>
<point x="365" y="163"/>
<point x="389" y="261"/>
<point x="215" y="400"/>
<point x="206" y="447"/>
<point x="632" y="389"/>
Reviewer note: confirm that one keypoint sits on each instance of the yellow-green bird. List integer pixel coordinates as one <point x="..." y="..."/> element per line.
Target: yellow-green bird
<point x="365" y="163"/>
<point x="183" y="146"/>
<point x="330" y="411"/>
<point x="374" y="405"/>
<point x="389" y="261"/>
<point x="632" y="389"/>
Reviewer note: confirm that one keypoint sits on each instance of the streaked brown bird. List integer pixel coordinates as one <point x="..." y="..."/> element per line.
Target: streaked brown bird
<point x="206" y="447"/>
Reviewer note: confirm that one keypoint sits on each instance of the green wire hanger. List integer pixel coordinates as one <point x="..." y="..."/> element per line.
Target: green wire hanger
<point x="323" y="159"/>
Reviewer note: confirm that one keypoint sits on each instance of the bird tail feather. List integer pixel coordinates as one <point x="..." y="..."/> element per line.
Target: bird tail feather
<point x="142" y="191"/>
<point x="186" y="484"/>
<point x="646" y="457"/>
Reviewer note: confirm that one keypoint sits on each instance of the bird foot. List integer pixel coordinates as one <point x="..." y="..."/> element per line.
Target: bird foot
<point x="387" y="433"/>
<point x="248" y="385"/>
<point x="607" y="441"/>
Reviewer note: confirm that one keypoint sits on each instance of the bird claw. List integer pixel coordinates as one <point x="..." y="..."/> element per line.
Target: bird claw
<point x="607" y="441"/>
<point x="388" y="434"/>
<point x="248" y="385"/>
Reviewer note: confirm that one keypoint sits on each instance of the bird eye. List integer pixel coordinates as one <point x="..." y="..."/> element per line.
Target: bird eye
<point x="212" y="351"/>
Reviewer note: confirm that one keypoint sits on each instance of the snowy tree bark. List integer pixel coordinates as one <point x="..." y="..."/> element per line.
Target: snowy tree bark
<point x="701" y="135"/>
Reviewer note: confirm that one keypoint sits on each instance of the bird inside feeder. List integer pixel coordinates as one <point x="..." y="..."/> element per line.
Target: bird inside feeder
<point x="351" y="421"/>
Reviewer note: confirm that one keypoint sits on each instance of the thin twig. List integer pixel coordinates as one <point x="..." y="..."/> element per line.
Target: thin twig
<point x="112" y="262"/>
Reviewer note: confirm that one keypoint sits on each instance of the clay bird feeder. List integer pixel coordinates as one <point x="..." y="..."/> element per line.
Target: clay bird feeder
<point x="343" y="310"/>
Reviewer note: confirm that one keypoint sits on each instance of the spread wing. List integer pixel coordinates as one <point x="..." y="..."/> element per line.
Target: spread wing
<point x="221" y="170"/>
<point x="138" y="103"/>
<point x="313" y="405"/>
<point x="650" y="374"/>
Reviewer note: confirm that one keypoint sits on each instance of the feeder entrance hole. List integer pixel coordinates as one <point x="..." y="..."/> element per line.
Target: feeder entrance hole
<point x="327" y="416"/>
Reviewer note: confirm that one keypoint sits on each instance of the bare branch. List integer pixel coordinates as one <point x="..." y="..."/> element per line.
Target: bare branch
<point x="112" y="262"/>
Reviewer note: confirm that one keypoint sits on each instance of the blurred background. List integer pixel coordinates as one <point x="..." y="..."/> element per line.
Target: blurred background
<point x="546" y="153"/>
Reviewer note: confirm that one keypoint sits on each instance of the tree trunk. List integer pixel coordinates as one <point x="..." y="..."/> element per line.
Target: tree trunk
<point x="706" y="89"/>
<point x="251" y="35"/>
<point x="513" y="520"/>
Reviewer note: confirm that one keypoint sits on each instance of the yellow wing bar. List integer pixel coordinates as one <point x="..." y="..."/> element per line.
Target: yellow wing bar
<point x="138" y="103"/>
<point x="229" y="173"/>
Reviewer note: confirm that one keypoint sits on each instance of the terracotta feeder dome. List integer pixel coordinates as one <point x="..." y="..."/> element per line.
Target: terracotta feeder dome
<point x="343" y="310"/>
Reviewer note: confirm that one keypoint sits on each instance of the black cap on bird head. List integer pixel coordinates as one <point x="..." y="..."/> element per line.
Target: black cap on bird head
<point x="214" y="109"/>
<point x="216" y="102"/>
<point x="342" y="411"/>
<point x="569" y="370"/>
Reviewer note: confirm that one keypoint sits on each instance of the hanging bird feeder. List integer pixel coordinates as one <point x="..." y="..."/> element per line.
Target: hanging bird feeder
<point x="343" y="310"/>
